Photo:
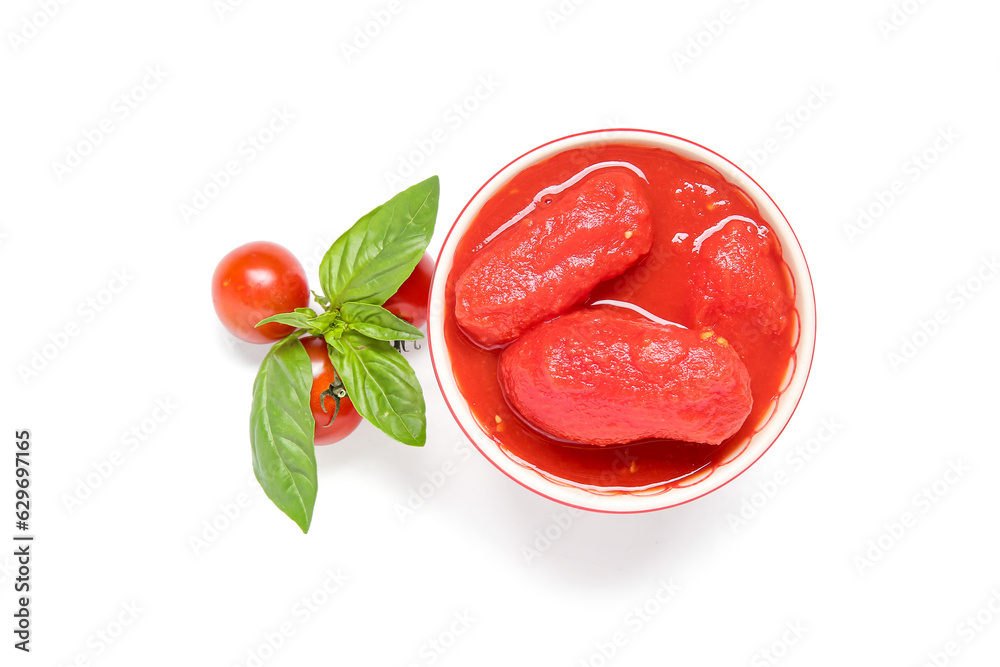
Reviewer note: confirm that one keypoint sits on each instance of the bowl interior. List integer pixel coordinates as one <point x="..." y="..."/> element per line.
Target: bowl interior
<point x="705" y="480"/>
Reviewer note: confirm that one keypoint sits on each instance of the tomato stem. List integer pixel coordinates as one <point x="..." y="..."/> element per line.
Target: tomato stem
<point x="337" y="391"/>
<point x="400" y="345"/>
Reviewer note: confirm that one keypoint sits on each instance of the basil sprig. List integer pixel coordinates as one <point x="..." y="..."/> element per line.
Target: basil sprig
<point x="362" y="269"/>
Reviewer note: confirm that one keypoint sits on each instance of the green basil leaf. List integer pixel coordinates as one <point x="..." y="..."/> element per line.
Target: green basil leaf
<point x="306" y="311"/>
<point x="382" y="386"/>
<point x="377" y="322"/>
<point x="369" y="262"/>
<point x="320" y="299"/>
<point x="336" y="344"/>
<point x="296" y="319"/>
<point x="281" y="431"/>
<point x="333" y="335"/>
<point x="325" y="321"/>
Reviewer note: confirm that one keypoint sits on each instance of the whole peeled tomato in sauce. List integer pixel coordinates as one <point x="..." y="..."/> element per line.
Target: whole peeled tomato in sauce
<point x="254" y="282"/>
<point x="605" y="375"/>
<point x="322" y="397"/>
<point x="410" y="300"/>
<point x="550" y="259"/>
<point x="738" y="282"/>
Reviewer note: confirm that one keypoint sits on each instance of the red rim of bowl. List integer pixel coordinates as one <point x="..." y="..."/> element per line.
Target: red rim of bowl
<point x="472" y="439"/>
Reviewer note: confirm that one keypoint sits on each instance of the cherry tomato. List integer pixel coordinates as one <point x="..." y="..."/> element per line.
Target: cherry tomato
<point x="325" y="379"/>
<point x="410" y="301"/>
<point x="256" y="281"/>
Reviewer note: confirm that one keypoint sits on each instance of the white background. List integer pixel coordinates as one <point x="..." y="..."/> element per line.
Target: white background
<point x="794" y="559"/>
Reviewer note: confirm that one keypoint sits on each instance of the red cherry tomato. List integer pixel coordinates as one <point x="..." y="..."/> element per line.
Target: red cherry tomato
<point x="324" y="376"/>
<point x="254" y="282"/>
<point x="410" y="301"/>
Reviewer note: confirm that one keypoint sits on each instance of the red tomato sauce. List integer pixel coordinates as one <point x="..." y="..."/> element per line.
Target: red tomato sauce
<point x="686" y="198"/>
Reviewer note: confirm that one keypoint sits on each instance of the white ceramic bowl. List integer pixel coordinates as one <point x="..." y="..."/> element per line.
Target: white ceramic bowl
<point x="706" y="480"/>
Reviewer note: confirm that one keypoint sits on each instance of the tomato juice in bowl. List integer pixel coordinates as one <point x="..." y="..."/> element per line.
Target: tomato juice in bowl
<point x="697" y="200"/>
